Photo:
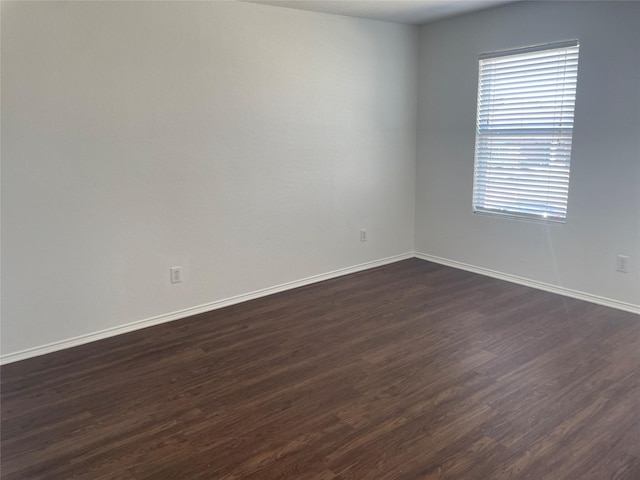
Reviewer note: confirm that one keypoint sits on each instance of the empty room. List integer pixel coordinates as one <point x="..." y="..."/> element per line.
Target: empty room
<point x="320" y="240"/>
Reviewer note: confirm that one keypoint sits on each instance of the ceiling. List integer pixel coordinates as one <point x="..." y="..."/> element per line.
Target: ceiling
<point x="412" y="12"/>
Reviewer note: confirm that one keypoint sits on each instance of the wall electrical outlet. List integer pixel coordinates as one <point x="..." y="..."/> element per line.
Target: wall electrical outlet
<point x="176" y="274"/>
<point x="363" y="235"/>
<point x="622" y="263"/>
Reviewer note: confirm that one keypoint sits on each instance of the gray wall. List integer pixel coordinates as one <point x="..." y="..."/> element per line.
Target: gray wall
<point x="247" y="144"/>
<point x="603" y="217"/>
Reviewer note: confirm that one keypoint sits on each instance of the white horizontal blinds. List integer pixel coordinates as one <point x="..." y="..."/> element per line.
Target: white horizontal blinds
<point x="526" y="100"/>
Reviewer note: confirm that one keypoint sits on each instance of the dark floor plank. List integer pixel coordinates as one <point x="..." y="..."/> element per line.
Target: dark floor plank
<point x="408" y="371"/>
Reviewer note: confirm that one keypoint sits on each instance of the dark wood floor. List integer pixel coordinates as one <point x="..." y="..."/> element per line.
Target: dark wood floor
<point x="408" y="371"/>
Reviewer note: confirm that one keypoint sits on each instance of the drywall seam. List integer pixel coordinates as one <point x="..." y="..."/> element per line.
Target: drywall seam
<point x="567" y="292"/>
<point x="187" y="312"/>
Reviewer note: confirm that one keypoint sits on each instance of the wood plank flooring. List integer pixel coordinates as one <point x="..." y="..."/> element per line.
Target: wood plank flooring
<point x="408" y="371"/>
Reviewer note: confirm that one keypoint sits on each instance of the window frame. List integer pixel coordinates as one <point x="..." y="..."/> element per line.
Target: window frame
<point x="557" y="138"/>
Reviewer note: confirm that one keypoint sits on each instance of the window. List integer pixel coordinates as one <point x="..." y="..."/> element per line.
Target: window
<point x="526" y="99"/>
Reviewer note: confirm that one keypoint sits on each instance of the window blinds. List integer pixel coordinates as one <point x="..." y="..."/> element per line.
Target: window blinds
<point x="526" y="101"/>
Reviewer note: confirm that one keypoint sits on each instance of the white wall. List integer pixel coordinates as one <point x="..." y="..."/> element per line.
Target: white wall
<point x="604" y="198"/>
<point x="248" y="144"/>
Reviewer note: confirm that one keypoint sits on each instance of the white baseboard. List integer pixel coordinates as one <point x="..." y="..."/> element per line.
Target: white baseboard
<point x="187" y="312"/>
<point x="628" y="307"/>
